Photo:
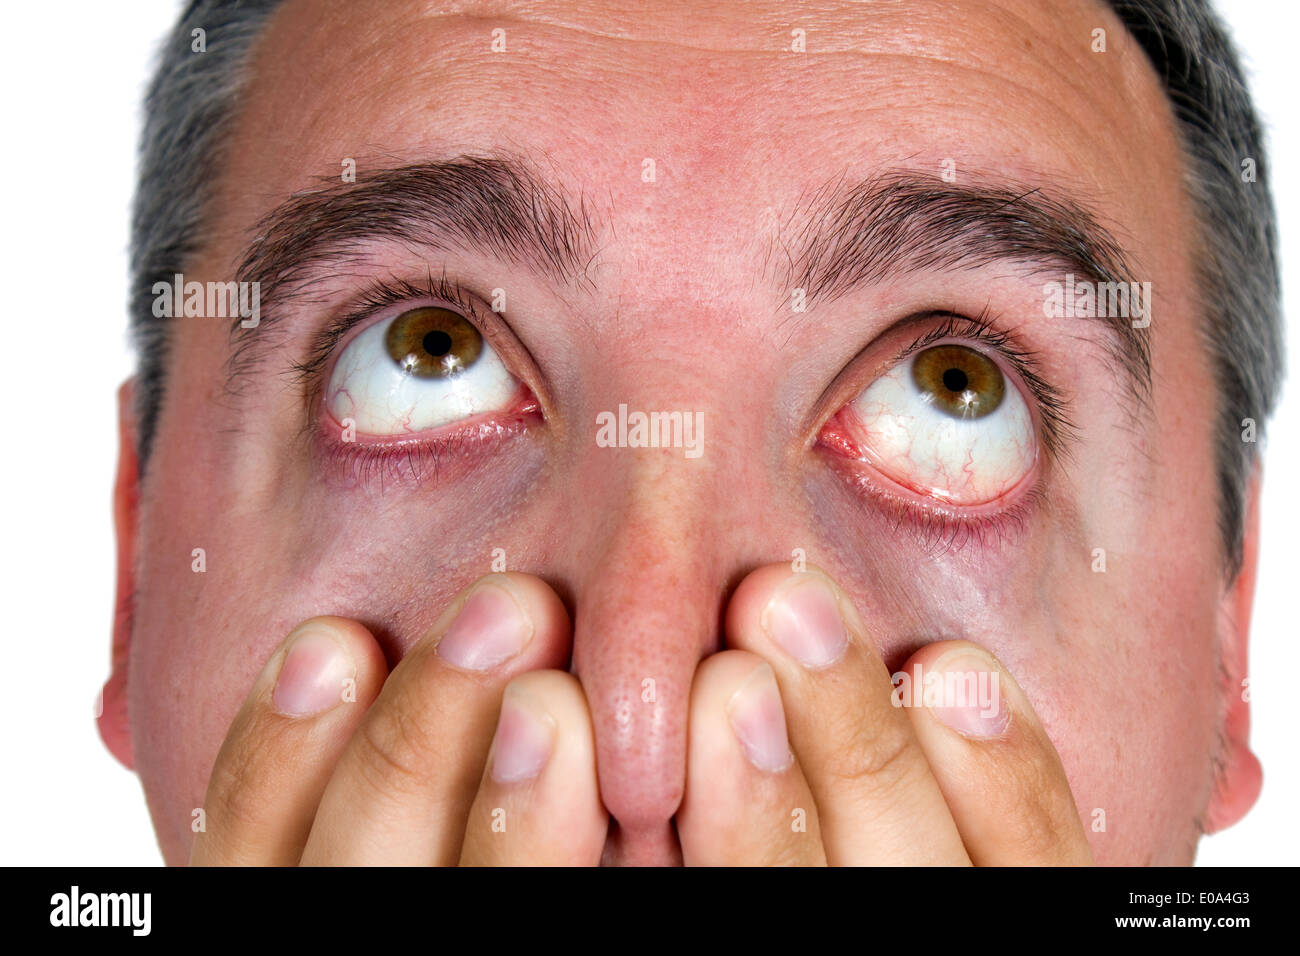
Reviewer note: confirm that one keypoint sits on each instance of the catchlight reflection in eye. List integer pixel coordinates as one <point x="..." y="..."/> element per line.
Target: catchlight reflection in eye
<point x="425" y="368"/>
<point x="946" y="424"/>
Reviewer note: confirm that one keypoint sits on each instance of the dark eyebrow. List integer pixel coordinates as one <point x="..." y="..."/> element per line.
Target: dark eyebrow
<point x="495" y="204"/>
<point x="845" y="235"/>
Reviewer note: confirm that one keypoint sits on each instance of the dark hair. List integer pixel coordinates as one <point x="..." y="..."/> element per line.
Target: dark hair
<point x="193" y="99"/>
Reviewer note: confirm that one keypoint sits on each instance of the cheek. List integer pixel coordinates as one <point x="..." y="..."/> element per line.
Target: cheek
<point x="1125" y="686"/>
<point x="275" y="553"/>
<point x="1126" y="689"/>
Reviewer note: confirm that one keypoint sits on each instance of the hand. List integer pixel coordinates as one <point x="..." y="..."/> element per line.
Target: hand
<point x="408" y="770"/>
<point x="798" y="755"/>
<point x="330" y="763"/>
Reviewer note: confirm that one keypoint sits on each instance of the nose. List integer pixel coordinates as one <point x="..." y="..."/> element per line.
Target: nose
<point x="646" y="612"/>
<point x="658" y="540"/>
<point x="658" y="537"/>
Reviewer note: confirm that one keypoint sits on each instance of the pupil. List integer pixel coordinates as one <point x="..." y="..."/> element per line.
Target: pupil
<point x="954" y="379"/>
<point x="438" y="343"/>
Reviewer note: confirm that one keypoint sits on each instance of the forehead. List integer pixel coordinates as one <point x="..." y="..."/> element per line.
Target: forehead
<point x="738" y="124"/>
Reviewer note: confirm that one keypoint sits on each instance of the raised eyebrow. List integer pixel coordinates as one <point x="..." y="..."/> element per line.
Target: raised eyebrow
<point x="847" y="234"/>
<point x="501" y="205"/>
<point x="843" y="234"/>
<point x="498" y="204"/>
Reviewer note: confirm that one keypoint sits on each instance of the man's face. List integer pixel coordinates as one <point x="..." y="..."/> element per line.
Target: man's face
<point x="696" y="141"/>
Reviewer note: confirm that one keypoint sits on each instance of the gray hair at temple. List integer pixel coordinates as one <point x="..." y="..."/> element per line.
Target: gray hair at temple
<point x="192" y="99"/>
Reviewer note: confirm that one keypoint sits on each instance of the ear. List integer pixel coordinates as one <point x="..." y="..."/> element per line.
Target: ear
<point x="1239" y="775"/>
<point x="114" y="727"/>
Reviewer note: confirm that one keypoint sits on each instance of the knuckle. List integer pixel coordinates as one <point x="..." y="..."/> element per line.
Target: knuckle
<point x="1040" y="828"/>
<point x="786" y="849"/>
<point x="880" y="760"/>
<point x="759" y="837"/>
<point x="393" y="750"/>
<point x="237" y="793"/>
<point x="1044" y="817"/>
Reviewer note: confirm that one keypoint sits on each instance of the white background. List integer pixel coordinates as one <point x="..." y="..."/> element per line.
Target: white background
<point x="72" y="84"/>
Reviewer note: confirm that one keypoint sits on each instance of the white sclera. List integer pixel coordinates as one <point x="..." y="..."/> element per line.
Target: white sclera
<point x="368" y="387"/>
<point x="964" y="461"/>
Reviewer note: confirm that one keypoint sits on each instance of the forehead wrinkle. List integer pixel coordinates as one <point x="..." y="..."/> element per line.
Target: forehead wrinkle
<point x="851" y="28"/>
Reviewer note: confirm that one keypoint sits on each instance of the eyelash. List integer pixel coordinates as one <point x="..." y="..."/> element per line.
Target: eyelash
<point x="404" y="461"/>
<point x="1052" y="407"/>
<point x="938" y="527"/>
<point x="379" y="295"/>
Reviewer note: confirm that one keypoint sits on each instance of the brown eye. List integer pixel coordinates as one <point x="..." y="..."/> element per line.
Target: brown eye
<point x="433" y="343"/>
<point x="958" y="381"/>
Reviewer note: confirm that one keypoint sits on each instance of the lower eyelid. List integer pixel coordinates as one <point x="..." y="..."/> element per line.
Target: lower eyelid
<point x="448" y="453"/>
<point x="835" y="440"/>
<point x="931" y="524"/>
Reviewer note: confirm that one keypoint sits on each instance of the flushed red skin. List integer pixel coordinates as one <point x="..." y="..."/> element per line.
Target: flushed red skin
<point x="644" y="545"/>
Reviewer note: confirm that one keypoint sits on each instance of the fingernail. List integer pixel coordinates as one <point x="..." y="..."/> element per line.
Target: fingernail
<point x="525" y="735"/>
<point x="489" y="630"/>
<point x="804" y="619"/>
<point x="314" y="674"/>
<point x="970" y="699"/>
<point x="758" y="721"/>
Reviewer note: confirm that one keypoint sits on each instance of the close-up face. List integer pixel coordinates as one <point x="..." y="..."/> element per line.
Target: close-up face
<point x="838" y="245"/>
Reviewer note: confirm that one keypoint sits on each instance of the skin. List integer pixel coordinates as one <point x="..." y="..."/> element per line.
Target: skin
<point x="1122" y="688"/>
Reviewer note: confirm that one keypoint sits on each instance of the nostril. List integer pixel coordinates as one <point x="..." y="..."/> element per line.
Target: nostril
<point x="652" y="845"/>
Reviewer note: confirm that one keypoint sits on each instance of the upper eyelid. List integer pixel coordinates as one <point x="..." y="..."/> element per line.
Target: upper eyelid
<point x="1050" y="406"/>
<point x="979" y="329"/>
<point x="379" y="295"/>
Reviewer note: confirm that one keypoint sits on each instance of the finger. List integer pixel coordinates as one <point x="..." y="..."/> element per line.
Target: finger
<point x="1000" y="775"/>
<point x="283" y="744"/>
<point x="878" y="802"/>
<point x="746" y="801"/>
<point x="538" y="803"/>
<point x="403" y="787"/>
